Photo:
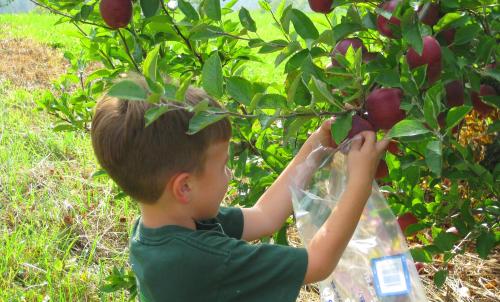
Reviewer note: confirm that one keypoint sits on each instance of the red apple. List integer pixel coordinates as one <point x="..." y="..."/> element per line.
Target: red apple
<point x="369" y="56"/>
<point x="481" y="107"/>
<point x="455" y="95"/>
<point x="321" y="6"/>
<point x="343" y="45"/>
<point x="419" y="266"/>
<point x="429" y="14"/>
<point x="116" y="13"/>
<point x="394" y="148"/>
<point x="383" y="107"/>
<point x="448" y="35"/>
<point x="442" y="123"/>
<point x="359" y="124"/>
<point x="382" y="170"/>
<point x="431" y="56"/>
<point x="406" y="220"/>
<point x="383" y="23"/>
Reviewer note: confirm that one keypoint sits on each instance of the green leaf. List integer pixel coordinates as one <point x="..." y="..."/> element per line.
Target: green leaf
<point x="150" y="63"/>
<point x="212" y="9"/>
<point x="485" y="243"/>
<point x="211" y="76"/>
<point x="128" y="90"/>
<point x="389" y="78"/>
<point x="495" y="127"/>
<point x="296" y="60"/>
<point x="269" y="101"/>
<point x="455" y="115"/>
<point x="264" y="5"/>
<point x="440" y="277"/>
<point x="188" y="10"/>
<point x="273" y="46"/>
<point x="407" y="128"/>
<point x="246" y="20"/>
<point x="431" y="105"/>
<point x="154" y="113"/>
<point x="421" y="255"/>
<point x="344" y="29"/>
<point x="445" y="241"/>
<point x="303" y="25"/>
<point x="149" y="7"/>
<point x="466" y="34"/>
<point x="240" y="89"/>
<point x="203" y="119"/>
<point x="298" y="92"/>
<point x="485" y="48"/>
<point x="341" y="127"/>
<point x="321" y="92"/>
<point x="411" y="30"/>
<point x="434" y="158"/>
<point x="185" y="81"/>
<point x="205" y="31"/>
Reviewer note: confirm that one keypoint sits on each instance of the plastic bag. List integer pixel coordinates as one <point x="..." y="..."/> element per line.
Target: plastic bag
<point x="376" y="265"/>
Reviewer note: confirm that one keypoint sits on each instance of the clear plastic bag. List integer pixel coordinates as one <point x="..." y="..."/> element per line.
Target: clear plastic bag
<point x="376" y="265"/>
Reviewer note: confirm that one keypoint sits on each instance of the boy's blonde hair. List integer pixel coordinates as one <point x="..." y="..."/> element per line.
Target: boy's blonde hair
<point x="142" y="159"/>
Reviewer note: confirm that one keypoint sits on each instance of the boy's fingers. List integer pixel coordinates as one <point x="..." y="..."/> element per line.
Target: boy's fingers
<point x="356" y="142"/>
<point x="369" y="139"/>
<point x="328" y="123"/>
<point x="382" y="145"/>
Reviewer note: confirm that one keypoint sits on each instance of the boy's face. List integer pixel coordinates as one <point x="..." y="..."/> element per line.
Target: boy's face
<point x="211" y="185"/>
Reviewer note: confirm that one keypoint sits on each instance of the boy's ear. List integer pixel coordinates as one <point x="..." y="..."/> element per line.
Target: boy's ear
<point x="181" y="188"/>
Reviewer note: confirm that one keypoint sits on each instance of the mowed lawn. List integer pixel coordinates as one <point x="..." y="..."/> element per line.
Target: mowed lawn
<point x="62" y="231"/>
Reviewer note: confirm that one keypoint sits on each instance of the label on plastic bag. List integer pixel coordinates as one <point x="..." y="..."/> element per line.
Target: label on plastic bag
<point x="390" y="275"/>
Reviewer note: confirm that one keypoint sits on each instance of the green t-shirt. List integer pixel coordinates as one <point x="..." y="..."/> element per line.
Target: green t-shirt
<point x="173" y="263"/>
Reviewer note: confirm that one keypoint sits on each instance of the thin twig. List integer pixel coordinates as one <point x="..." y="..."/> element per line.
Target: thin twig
<point x="55" y="11"/>
<point x="178" y="31"/>
<point x="128" y="51"/>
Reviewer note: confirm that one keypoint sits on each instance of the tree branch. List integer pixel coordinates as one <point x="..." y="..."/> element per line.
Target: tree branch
<point x="128" y="51"/>
<point x="186" y="40"/>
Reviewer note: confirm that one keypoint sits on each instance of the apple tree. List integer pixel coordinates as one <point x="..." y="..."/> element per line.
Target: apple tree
<point x="423" y="72"/>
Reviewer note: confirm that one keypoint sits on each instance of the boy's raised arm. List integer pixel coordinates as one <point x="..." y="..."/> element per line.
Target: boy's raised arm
<point x="275" y="205"/>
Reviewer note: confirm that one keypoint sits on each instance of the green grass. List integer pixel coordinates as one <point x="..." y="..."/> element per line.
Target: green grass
<point x="41" y="28"/>
<point x="63" y="231"/>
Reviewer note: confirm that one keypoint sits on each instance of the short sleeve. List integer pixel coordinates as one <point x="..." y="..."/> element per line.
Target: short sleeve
<point x="231" y="220"/>
<point x="263" y="272"/>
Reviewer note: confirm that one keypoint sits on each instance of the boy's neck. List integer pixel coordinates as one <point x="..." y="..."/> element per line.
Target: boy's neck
<point x="162" y="214"/>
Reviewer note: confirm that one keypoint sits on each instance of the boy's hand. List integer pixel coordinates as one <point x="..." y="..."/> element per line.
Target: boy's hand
<point x="323" y="135"/>
<point x="364" y="157"/>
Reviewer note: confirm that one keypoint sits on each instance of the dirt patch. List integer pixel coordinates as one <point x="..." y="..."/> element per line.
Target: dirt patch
<point x="30" y="64"/>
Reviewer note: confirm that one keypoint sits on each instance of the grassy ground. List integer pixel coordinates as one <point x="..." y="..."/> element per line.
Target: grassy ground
<point x="61" y="230"/>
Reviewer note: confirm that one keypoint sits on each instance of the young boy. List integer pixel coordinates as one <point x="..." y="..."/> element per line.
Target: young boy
<point x="185" y="247"/>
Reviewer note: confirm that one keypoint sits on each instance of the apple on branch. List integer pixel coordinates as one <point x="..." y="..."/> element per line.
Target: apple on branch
<point x="406" y="220"/>
<point x="116" y="13"/>
<point x="384" y="24"/>
<point x="431" y="56"/>
<point x="481" y="107"/>
<point x="383" y="106"/>
<point x="342" y="46"/>
<point x="455" y="94"/>
<point x="321" y="6"/>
